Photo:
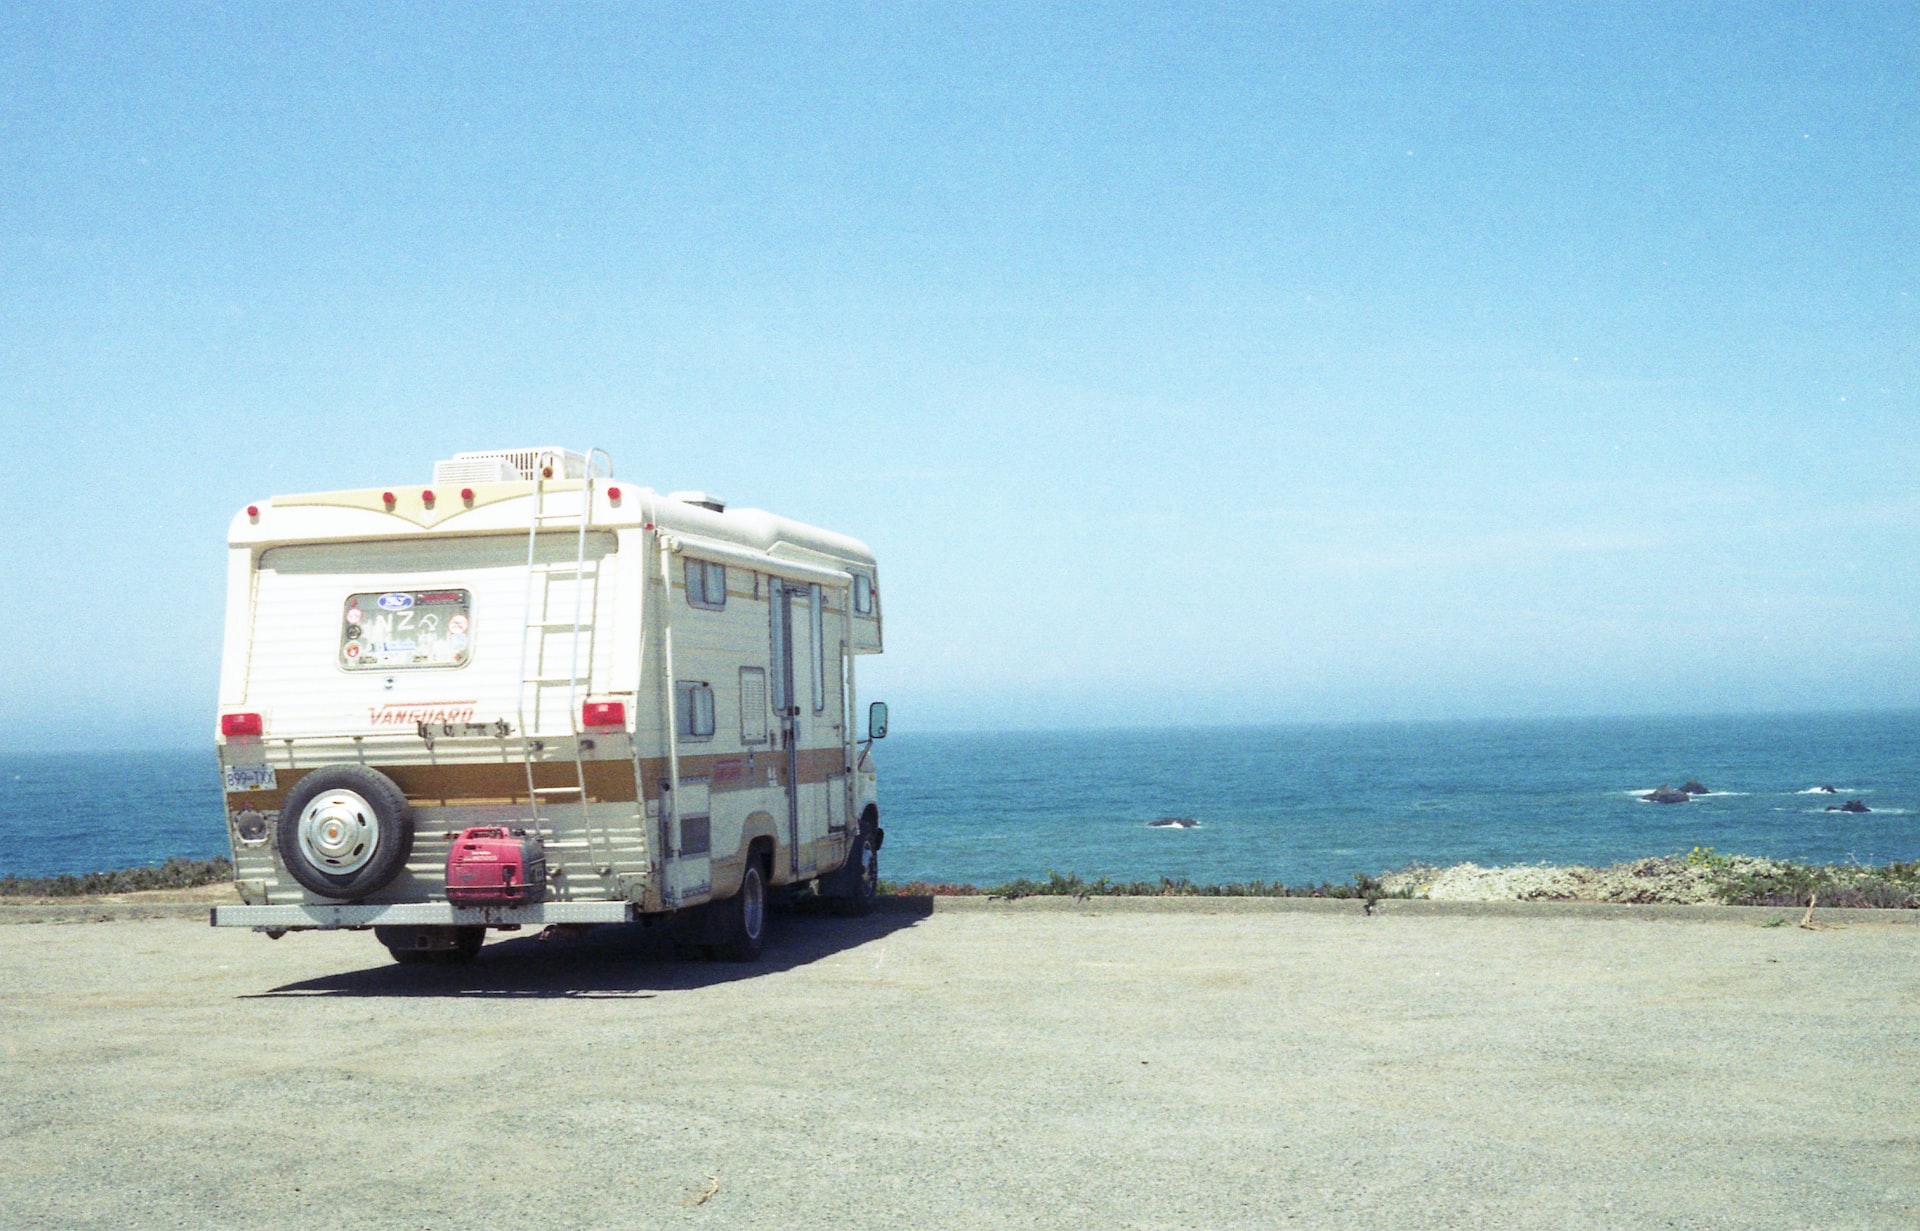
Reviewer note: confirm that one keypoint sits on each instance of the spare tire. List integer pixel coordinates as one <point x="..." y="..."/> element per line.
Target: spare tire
<point x="345" y="831"/>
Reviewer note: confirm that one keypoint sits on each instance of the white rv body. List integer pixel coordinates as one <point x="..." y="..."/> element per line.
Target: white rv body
<point x="721" y="642"/>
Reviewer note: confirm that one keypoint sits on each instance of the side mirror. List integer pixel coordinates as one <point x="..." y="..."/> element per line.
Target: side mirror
<point x="877" y="720"/>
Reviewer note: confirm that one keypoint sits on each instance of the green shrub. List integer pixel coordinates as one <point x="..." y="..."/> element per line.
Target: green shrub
<point x="175" y="873"/>
<point x="1706" y="857"/>
<point x="1763" y="882"/>
<point x="1076" y="886"/>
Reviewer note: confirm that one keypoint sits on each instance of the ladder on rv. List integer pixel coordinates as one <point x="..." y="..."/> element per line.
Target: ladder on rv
<point x="537" y="676"/>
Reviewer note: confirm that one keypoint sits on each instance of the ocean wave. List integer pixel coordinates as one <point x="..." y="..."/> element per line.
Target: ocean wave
<point x="1839" y="790"/>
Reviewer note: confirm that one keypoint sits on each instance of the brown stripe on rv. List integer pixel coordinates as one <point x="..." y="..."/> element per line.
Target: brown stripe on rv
<point x="607" y="781"/>
<point x="493" y="783"/>
<point x="729" y="771"/>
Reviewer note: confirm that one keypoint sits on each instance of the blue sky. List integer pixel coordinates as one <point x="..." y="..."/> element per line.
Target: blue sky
<point x="1192" y="364"/>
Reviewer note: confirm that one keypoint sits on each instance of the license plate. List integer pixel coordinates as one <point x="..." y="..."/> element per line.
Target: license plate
<point x="250" y="777"/>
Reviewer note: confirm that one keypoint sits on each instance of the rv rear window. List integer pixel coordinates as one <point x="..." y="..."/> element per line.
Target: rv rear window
<point x="401" y="629"/>
<point x="862" y="594"/>
<point x="706" y="584"/>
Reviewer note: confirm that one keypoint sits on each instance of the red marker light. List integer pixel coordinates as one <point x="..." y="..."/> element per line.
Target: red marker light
<point x="388" y="497"/>
<point x="466" y="494"/>
<point x="253" y="511"/>
<point x="241" y="724"/>
<point x="613" y="494"/>
<point x="426" y="497"/>
<point x="603" y="714"/>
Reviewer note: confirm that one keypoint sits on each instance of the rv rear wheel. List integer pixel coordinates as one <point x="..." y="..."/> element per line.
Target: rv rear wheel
<point x="466" y="946"/>
<point x="746" y="917"/>
<point x="413" y="946"/>
<point x="345" y="831"/>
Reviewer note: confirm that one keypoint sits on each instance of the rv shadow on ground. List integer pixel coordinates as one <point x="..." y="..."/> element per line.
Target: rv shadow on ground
<point x="627" y="961"/>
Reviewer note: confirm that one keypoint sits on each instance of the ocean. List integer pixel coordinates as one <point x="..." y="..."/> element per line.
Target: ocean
<point x="1289" y="803"/>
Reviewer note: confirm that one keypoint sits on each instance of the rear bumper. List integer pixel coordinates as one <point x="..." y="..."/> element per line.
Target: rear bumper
<point x="326" y="917"/>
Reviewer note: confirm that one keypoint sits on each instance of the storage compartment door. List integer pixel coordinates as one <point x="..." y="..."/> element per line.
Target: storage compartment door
<point x="690" y="865"/>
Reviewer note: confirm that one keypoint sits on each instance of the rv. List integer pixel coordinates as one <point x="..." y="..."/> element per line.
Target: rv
<point x="527" y="694"/>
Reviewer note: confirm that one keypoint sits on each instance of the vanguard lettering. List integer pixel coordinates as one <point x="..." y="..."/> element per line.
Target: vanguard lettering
<point x="413" y="715"/>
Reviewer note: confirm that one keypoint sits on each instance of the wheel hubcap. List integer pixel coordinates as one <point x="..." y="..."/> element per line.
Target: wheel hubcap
<point x="339" y="832"/>
<point x="753" y="903"/>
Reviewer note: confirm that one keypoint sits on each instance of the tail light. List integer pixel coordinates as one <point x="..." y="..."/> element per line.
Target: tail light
<point x="603" y="714"/>
<point x="241" y="724"/>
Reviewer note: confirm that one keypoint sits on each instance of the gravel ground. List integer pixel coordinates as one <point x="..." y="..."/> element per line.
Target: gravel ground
<point x="1031" y="1064"/>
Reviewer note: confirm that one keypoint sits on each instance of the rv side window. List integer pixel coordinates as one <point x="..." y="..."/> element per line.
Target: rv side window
<point x="753" y="705"/>
<point x="706" y="584"/>
<point x="695" y="706"/>
<point x="862" y="594"/>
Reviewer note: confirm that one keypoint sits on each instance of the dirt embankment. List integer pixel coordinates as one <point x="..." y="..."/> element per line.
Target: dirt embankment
<point x="1696" y="879"/>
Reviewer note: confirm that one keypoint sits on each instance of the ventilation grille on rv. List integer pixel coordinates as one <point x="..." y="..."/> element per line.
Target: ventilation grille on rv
<point x="509" y="465"/>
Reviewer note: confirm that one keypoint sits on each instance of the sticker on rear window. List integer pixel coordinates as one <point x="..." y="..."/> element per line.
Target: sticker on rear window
<point x="406" y="628"/>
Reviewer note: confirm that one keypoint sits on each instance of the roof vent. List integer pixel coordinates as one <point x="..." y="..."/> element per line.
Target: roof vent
<point x="510" y="465"/>
<point x="700" y="498"/>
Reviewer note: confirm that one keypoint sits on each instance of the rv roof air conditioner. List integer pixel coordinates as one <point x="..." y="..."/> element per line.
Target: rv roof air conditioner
<point x="701" y="499"/>
<point x="510" y="465"/>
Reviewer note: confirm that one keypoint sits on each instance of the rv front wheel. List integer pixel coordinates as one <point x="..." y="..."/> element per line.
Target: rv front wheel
<point x="863" y="872"/>
<point x="345" y="831"/>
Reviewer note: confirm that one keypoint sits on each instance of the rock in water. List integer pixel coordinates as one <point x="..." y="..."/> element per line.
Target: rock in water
<point x="1852" y="805"/>
<point x="1829" y="789"/>
<point x="1692" y="787"/>
<point x="1664" y="794"/>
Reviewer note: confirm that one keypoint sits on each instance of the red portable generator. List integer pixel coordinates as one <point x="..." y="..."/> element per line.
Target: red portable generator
<point x="491" y="865"/>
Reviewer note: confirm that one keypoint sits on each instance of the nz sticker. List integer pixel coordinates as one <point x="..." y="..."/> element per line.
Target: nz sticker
<point x="384" y="631"/>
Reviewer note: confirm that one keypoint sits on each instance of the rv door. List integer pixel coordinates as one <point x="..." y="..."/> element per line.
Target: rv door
<point x="809" y="697"/>
<point x="785" y="706"/>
